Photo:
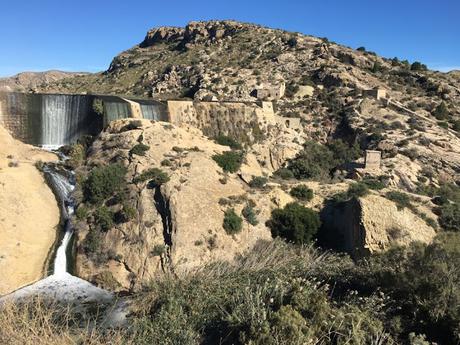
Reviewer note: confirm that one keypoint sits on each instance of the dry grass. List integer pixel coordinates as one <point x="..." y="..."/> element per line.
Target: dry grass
<point x="38" y="323"/>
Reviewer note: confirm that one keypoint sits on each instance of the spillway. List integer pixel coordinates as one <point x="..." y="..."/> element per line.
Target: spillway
<point x="48" y="120"/>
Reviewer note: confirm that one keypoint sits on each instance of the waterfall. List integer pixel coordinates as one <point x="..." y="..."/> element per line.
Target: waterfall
<point x="62" y="187"/>
<point x="64" y="119"/>
<point x="151" y="111"/>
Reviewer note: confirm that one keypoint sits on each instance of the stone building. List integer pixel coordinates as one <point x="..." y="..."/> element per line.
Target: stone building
<point x="372" y="160"/>
<point x="269" y="92"/>
<point x="376" y="93"/>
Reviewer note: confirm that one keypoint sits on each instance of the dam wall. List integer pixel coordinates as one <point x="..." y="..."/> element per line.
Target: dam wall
<point x="48" y="120"/>
<point x="54" y="120"/>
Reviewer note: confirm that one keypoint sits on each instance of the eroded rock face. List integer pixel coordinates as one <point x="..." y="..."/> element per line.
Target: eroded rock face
<point x="178" y="226"/>
<point x="373" y="224"/>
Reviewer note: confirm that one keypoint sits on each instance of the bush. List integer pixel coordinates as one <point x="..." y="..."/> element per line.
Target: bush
<point x="82" y="212"/>
<point x="228" y="141"/>
<point x="156" y="176"/>
<point x="401" y="200"/>
<point x="103" y="182"/>
<point x="344" y="153"/>
<point x="284" y="173"/>
<point x="373" y="183"/>
<point x="361" y="49"/>
<point x="258" y="182"/>
<point x="295" y="223"/>
<point x="103" y="218"/>
<point x="449" y="217"/>
<point x="229" y="161"/>
<point x="302" y="192"/>
<point x="441" y="112"/>
<point x="250" y="215"/>
<point x="139" y="149"/>
<point x="92" y="242"/>
<point x="313" y="162"/>
<point x="418" y="66"/>
<point x="232" y="222"/>
<point x="357" y="190"/>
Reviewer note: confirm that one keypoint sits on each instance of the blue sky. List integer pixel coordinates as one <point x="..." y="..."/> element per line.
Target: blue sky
<point x="83" y="35"/>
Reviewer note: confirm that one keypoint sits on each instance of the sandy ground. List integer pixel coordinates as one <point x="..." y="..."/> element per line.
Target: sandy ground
<point x="29" y="214"/>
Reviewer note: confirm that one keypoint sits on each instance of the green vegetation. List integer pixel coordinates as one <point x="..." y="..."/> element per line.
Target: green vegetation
<point x="155" y="176"/>
<point x="104" y="182"/>
<point x="139" y="149"/>
<point x="103" y="217"/>
<point x="441" y="112"/>
<point x="449" y="217"/>
<point x="229" y="161"/>
<point x="284" y="173"/>
<point x="250" y="215"/>
<point x="302" y="192"/>
<point x="228" y="141"/>
<point x="232" y="222"/>
<point x="316" y="161"/>
<point x="402" y="200"/>
<point x="295" y="223"/>
<point x="258" y="182"/>
<point x="418" y="66"/>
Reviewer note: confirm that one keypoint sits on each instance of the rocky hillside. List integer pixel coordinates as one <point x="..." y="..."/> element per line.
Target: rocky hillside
<point x="227" y="60"/>
<point x="30" y="81"/>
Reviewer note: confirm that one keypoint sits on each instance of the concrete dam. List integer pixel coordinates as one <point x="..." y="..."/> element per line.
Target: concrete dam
<point x="54" y="120"/>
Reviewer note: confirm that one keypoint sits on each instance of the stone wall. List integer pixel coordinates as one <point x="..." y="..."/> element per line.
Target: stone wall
<point x="244" y="121"/>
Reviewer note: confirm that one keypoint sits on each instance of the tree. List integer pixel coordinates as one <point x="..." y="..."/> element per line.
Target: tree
<point x="295" y="223"/>
<point x="103" y="182"/>
<point x="418" y="66"/>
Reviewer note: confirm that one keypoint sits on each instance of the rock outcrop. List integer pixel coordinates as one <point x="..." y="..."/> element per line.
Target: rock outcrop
<point x="178" y="226"/>
<point x="29" y="214"/>
<point x="372" y="224"/>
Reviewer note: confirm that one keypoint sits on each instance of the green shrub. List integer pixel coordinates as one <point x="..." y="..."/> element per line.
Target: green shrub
<point x="228" y="141"/>
<point x="344" y="153"/>
<point x="156" y="176"/>
<point x="82" y="212"/>
<point x="103" y="218"/>
<point x="441" y="112"/>
<point x="295" y="223"/>
<point x="361" y="49"/>
<point x="357" y="190"/>
<point x="232" y="222"/>
<point x="166" y="163"/>
<point x="401" y="200"/>
<point x="103" y="182"/>
<point x="418" y="66"/>
<point x="314" y="162"/>
<point x="373" y="183"/>
<point x="250" y="215"/>
<point x="449" y="217"/>
<point x="139" y="149"/>
<point x="258" y="182"/>
<point x="92" y="242"/>
<point x="302" y="192"/>
<point x="229" y="161"/>
<point x="284" y="173"/>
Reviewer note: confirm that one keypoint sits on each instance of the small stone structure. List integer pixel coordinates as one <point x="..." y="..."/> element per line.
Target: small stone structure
<point x="376" y="93"/>
<point x="269" y="92"/>
<point x="290" y="122"/>
<point x="372" y="160"/>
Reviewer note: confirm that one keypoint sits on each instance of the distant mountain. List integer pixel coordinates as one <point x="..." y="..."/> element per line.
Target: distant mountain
<point x="27" y="81"/>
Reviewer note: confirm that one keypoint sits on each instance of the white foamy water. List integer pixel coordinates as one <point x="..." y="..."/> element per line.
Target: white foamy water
<point x="63" y="118"/>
